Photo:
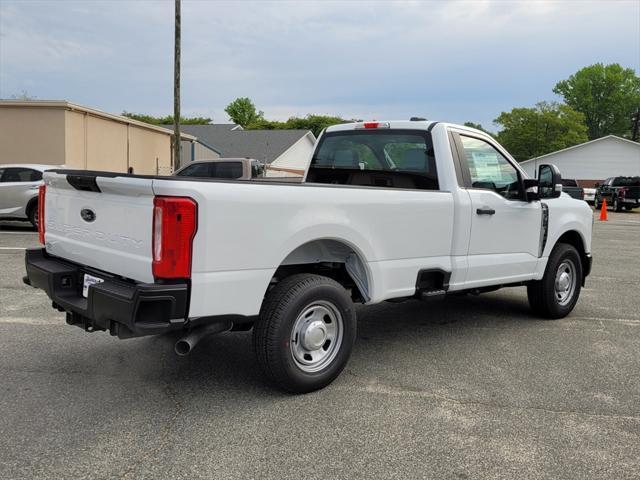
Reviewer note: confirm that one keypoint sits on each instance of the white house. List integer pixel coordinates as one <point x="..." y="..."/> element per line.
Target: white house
<point x="592" y="161"/>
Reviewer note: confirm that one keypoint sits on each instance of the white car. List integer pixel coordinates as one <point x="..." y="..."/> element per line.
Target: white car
<point x="389" y="211"/>
<point x="19" y="191"/>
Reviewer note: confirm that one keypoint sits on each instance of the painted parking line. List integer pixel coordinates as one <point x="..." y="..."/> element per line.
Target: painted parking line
<point x="2" y="232"/>
<point x="13" y="248"/>
<point x="626" y="321"/>
<point x="31" y="321"/>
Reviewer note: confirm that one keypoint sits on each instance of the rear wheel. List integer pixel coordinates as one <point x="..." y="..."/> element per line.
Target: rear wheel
<point x="616" y="205"/>
<point x="628" y="207"/>
<point x="33" y="215"/>
<point x="557" y="293"/>
<point x="598" y="203"/>
<point x="305" y="333"/>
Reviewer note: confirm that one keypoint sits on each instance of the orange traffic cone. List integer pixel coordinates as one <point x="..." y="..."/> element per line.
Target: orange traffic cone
<point x="603" y="211"/>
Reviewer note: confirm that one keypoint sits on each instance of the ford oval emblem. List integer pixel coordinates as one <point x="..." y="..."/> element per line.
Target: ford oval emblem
<point x="88" y="215"/>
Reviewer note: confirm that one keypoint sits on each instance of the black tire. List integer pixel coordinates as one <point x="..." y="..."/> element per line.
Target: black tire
<point x="542" y="294"/>
<point x="33" y="214"/>
<point x="598" y="203"/>
<point x="616" y="205"/>
<point x="628" y="208"/>
<point x="281" y="311"/>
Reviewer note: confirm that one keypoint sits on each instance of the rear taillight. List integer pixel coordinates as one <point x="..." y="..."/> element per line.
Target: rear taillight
<point x="175" y="220"/>
<point x="42" y="190"/>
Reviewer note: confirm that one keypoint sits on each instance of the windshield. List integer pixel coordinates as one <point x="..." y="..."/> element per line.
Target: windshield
<point x="569" y="183"/>
<point x="626" y="182"/>
<point x="379" y="150"/>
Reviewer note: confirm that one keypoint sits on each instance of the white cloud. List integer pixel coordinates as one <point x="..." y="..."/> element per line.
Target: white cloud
<point x="465" y="60"/>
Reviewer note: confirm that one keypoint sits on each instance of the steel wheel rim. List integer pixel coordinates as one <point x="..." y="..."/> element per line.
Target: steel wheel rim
<point x="565" y="282"/>
<point x="316" y="336"/>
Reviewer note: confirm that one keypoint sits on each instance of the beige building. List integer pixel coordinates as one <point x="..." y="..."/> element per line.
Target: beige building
<point x="62" y="133"/>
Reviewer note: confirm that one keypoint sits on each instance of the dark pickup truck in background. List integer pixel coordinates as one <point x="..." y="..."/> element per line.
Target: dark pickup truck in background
<point x="619" y="192"/>
<point x="571" y="187"/>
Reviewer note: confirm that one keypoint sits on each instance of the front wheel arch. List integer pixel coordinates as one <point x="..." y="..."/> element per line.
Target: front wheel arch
<point x="572" y="237"/>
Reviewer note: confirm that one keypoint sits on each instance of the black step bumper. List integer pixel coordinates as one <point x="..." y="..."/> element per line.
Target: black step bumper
<point x="125" y="308"/>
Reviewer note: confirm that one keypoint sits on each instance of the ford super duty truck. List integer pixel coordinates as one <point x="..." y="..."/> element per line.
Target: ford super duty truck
<point x="388" y="211"/>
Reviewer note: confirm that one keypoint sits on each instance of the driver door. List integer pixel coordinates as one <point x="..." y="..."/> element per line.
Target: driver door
<point x="505" y="229"/>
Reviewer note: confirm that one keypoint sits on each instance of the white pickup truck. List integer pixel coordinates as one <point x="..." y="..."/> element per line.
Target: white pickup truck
<point x="388" y="211"/>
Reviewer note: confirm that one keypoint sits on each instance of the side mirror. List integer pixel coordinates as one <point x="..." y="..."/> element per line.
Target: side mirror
<point x="531" y="189"/>
<point x="549" y="182"/>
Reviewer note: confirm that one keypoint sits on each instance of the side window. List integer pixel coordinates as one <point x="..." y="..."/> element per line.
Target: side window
<point x="226" y="170"/>
<point x="21" y="175"/>
<point x="196" y="170"/>
<point x="489" y="169"/>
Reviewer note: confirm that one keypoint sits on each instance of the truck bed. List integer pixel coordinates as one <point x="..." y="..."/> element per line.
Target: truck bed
<point x="246" y="229"/>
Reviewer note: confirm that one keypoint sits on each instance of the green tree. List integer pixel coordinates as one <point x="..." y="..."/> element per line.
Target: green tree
<point x="315" y="123"/>
<point x="243" y="112"/>
<point x="531" y="132"/>
<point x="168" y="120"/>
<point x="607" y="95"/>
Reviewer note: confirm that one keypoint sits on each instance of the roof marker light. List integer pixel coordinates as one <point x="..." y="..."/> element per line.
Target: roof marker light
<point x="368" y="125"/>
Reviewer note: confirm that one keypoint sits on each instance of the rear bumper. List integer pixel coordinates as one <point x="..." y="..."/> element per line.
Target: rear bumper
<point x="125" y="308"/>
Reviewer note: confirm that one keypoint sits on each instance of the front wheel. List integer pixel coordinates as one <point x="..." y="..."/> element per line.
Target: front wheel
<point x="557" y="293"/>
<point x="305" y="333"/>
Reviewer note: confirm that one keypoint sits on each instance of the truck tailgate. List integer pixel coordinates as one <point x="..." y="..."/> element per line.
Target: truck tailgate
<point x="102" y="222"/>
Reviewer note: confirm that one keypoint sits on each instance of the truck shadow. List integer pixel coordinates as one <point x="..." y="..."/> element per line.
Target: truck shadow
<point x="227" y="363"/>
<point x="11" y="226"/>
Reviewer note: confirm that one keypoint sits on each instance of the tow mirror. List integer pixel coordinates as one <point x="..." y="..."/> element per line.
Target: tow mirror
<point x="549" y="182"/>
<point x="531" y="189"/>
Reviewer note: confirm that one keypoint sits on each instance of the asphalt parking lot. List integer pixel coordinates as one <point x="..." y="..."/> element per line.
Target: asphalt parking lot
<point x="471" y="387"/>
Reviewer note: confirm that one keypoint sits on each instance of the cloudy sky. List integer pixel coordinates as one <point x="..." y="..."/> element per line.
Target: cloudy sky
<point x="445" y="60"/>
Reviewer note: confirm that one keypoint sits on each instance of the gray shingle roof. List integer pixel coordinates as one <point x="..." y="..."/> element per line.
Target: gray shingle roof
<point x="263" y="145"/>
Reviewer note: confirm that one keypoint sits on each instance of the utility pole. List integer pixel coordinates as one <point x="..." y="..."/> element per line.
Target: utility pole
<point x="636" y="125"/>
<point x="176" y="91"/>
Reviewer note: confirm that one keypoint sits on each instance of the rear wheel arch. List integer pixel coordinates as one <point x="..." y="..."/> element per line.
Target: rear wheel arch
<point x="31" y="211"/>
<point x="333" y="258"/>
<point x="31" y="204"/>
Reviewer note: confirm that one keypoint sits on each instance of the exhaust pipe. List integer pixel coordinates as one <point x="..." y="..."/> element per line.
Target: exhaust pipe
<point x="186" y="344"/>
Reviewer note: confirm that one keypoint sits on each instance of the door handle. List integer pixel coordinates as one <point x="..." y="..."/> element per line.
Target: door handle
<point x="485" y="211"/>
